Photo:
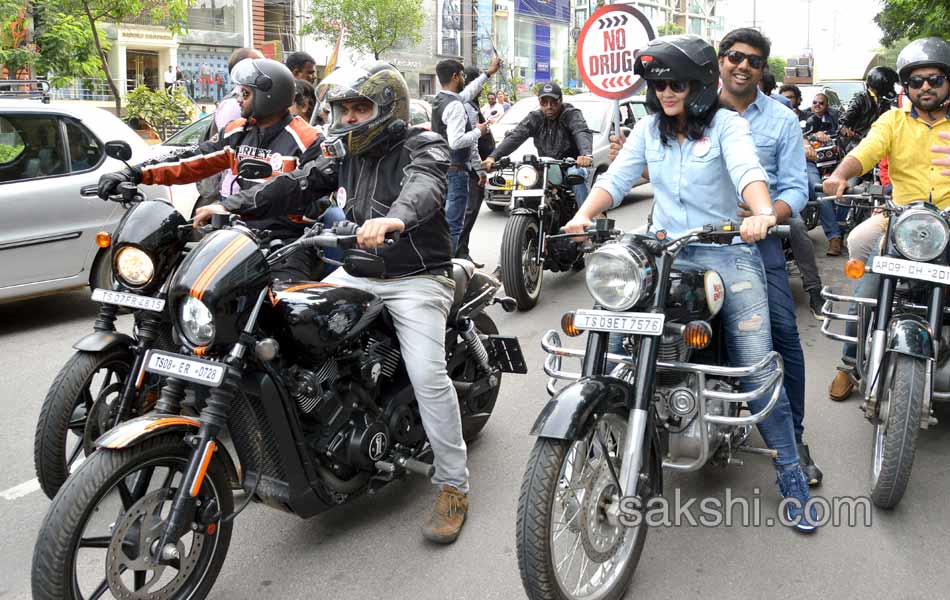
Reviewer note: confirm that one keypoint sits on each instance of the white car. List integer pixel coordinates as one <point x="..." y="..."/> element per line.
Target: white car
<point x="597" y="113"/>
<point x="184" y="196"/>
<point x="51" y="158"/>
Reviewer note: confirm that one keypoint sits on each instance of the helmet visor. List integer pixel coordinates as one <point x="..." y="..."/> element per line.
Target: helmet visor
<point x="342" y="92"/>
<point x="247" y="73"/>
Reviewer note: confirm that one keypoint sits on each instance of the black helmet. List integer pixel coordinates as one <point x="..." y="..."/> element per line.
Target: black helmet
<point x="925" y="52"/>
<point x="881" y="80"/>
<point x="380" y="83"/>
<point x="272" y="82"/>
<point x="681" y="58"/>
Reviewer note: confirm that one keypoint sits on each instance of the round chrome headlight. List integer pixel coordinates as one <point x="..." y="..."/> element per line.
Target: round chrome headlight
<point x="134" y="267"/>
<point x="920" y="234"/>
<point x="526" y="176"/>
<point x="196" y="322"/>
<point x="619" y="276"/>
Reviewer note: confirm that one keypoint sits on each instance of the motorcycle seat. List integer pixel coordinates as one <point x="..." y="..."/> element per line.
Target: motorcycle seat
<point x="462" y="272"/>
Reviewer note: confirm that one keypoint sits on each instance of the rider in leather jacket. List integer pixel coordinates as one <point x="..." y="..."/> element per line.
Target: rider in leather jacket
<point x="390" y="178"/>
<point x="866" y="106"/>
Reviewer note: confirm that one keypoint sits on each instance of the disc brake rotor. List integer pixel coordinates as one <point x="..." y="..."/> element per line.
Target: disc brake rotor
<point x="529" y="263"/>
<point x="100" y="417"/>
<point x="599" y="537"/>
<point x="132" y="537"/>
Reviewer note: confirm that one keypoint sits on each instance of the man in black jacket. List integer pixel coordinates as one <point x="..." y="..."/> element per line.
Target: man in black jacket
<point x="866" y="106"/>
<point x="559" y="131"/>
<point x="387" y="178"/>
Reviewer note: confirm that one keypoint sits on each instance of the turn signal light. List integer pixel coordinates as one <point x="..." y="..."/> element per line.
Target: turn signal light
<point x="697" y="334"/>
<point x="567" y="325"/>
<point x="854" y="269"/>
<point x="103" y="239"/>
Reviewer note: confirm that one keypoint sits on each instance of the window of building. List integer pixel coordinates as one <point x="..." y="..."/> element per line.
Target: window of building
<point x="213" y="15"/>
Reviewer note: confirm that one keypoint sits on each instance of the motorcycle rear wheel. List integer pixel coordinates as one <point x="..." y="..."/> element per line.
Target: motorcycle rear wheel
<point x="114" y="494"/>
<point x="522" y="271"/>
<point x="895" y="440"/>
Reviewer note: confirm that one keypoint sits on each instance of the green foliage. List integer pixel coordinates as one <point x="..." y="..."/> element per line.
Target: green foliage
<point x="372" y="26"/>
<point x="159" y="109"/>
<point x="913" y="19"/>
<point x="67" y="49"/>
<point x="777" y="67"/>
<point x="891" y="52"/>
<point x="669" y="29"/>
<point x="8" y="153"/>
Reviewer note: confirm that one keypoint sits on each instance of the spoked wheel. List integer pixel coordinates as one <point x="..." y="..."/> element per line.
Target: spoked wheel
<point x="571" y="542"/>
<point x="99" y="535"/>
<point x="521" y="268"/>
<point x="477" y="410"/>
<point x="895" y="436"/>
<point x="87" y="380"/>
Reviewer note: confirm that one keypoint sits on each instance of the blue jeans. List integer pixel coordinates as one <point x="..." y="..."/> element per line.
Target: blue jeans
<point x="866" y="287"/>
<point x="580" y="190"/>
<point x="785" y="338"/>
<point x="827" y="211"/>
<point x="456" y="200"/>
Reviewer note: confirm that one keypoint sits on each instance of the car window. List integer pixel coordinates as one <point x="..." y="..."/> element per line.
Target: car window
<point x="417" y="115"/>
<point x="85" y="152"/>
<point x="191" y="135"/>
<point x="42" y="153"/>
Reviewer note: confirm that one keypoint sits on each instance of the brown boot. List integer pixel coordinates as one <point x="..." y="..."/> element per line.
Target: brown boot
<point x="448" y="516"/>
<point x="835" y="246"/>
<point x="842" y="386"/>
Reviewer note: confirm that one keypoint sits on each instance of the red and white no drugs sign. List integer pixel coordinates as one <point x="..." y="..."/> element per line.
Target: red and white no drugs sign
<point x="606" y="48"/>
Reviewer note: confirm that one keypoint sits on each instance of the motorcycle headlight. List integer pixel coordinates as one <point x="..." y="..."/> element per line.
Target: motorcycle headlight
<point x="920" y="234"/>
<point x="134" y="267"/>
<point x="196" y="322"/>
<point x="526" y="176"/>
<point x="619" y="276"/>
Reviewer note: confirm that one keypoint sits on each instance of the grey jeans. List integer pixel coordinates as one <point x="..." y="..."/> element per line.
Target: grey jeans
<point x="804" y="251"/>
<point x="419" y="307"/>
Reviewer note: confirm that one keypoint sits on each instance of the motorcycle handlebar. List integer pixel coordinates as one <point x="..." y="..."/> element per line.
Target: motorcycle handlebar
<point x="342" y="235"/>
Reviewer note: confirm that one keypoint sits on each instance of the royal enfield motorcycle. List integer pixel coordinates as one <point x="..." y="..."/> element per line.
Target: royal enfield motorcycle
<point x="542" y="201"/>
<point x="665" y="402"/>
<point x="307" y="386"/>
<point x="902" y="333"/>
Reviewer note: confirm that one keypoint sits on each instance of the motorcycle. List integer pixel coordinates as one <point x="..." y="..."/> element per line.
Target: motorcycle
<point x="542" y="201"/>
<point x="666" y="402"/>
<point x="97" y="388"/>
<point x="903" y="358"/>
<point x="306" y="383"/>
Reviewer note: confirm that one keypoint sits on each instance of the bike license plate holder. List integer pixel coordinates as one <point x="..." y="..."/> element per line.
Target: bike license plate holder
<point x="630" y="323"/>
<point x="908" y="269"/>
<point x="507" y="355"/>
<point x="128" y="300"/>
<point x="195" y="370"/>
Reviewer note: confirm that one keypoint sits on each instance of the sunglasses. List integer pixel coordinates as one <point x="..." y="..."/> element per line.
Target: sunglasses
<point x="678" y="87"/>
<point x="736" y="58"/>
<point x="818" y="103"/>
<point x="915" y="82"/>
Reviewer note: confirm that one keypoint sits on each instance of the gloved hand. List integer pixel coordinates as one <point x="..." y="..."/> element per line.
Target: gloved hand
<point x="109" y="183"/>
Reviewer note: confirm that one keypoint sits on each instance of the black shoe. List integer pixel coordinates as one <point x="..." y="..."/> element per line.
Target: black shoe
<point x="815" y="302"/>
<point x="812" y="473"/>
<point x="477" y="264"/>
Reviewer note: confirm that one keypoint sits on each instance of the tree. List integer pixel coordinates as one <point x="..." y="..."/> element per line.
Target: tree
<point x="777" y="67"/>
<point x="171" y="14"/>
<point x="913" y="19"/>
<point x="891" y="52"/>
<point x="160" y="109"/>
<point x="669" y="29"/>
<point x="372" y="26"/>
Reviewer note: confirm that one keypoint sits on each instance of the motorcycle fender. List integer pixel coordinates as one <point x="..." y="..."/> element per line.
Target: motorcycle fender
<point x="133" y="431"/>
<point x="97" y="341"/>
<point x="524" y="211"/>
<point x="910" y="335"/>
<point x="568" y="414"/>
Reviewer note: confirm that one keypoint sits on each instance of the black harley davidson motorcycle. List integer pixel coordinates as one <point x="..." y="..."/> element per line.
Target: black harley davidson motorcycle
<point x="542" y="201"/>
<point x="306" y="383"/>
<point x="901" y="332"/>
<point x="665" y="402"/>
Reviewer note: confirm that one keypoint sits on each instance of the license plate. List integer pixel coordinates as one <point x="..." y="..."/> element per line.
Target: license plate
<point x="190" y="369"/>
<point x="620" y="322"/>
<point x="909" y="269"/>
<point x="129" y="300"/>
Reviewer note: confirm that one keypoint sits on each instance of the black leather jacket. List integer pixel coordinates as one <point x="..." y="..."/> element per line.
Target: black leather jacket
<point x="565" y="137"/>
<point x="407" y="182"/>
<point x="862" y="111"/>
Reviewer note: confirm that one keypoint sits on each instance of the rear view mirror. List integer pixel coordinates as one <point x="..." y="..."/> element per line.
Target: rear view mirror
<point x="253" y="168"/>
<point x="119" y="150"/>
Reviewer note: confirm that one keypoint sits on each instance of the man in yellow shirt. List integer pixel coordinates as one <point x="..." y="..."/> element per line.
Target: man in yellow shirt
<point x="906" y="136"/>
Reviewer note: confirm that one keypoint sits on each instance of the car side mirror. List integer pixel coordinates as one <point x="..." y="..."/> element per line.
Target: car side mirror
<point x="119" y="150"/>
<point x="253" y="168"/>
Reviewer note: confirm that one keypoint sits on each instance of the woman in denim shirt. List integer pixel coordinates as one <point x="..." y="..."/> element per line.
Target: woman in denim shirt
<point x="702" y="163"/>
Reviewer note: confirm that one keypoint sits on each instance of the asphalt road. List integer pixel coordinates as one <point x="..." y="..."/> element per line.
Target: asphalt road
<point x="372" y="548"/>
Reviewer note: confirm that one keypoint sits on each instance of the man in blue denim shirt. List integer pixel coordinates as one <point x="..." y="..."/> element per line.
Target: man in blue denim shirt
<point x="777" y="135"/>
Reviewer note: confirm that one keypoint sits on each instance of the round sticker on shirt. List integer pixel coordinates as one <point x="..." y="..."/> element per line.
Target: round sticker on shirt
<point x="701" y="147"/>
<point x="341" y="197"/>
<point x="276" y="162"/>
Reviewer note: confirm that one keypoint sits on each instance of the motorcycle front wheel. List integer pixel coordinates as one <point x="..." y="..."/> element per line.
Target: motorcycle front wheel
<point x="96" y="538"/>
<point x="61" y="439"/>
<point x="571" y="542"/>
<point x="895" y="437"/>
<point x="522" y="269"/>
